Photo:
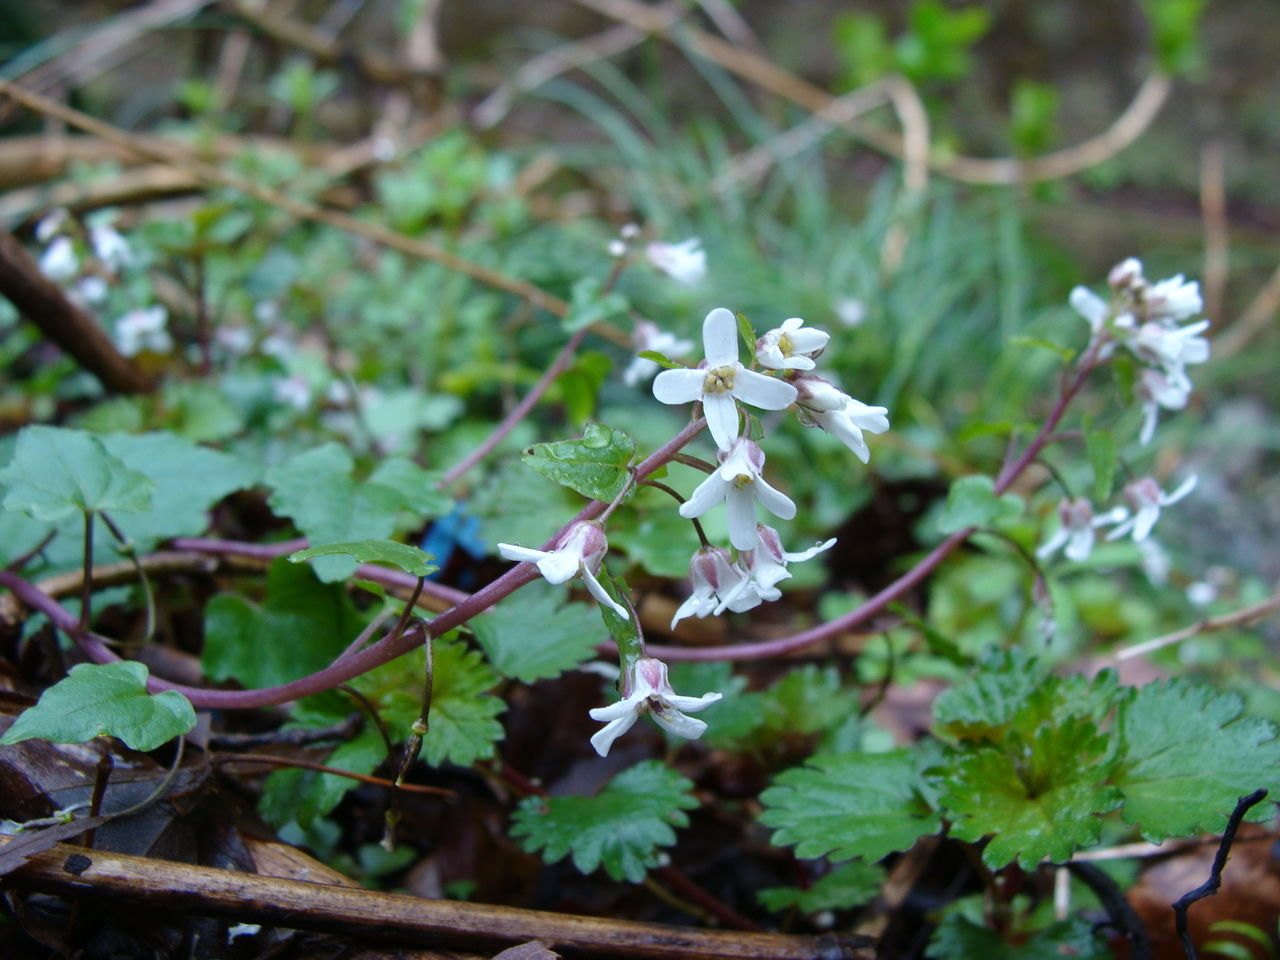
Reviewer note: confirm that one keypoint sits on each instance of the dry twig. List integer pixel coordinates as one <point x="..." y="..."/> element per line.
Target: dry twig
<point x="394" y="917"/>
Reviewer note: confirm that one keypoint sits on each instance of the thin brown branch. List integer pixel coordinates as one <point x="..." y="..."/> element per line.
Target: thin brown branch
<point x="229" y="758"/>
<point x="138" y="185"/>
<point x="1247" y="615"/>
<point x="73" y="330"/>
<point x="205" y="891"/>
<point x="1217" y="242"/>
<point x="1255" y="319"/>
<point x="328" y="51"/>
<point x="764" y="73"/>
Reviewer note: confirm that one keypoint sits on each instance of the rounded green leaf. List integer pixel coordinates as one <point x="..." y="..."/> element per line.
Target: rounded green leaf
<point x="96" y="700"/>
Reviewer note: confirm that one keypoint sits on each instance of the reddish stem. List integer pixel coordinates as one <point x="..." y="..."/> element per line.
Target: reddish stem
<point x="385" y="650"/>
<point x="521" y="410"/>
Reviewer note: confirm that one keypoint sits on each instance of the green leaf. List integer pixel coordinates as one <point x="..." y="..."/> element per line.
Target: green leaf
<point x="588" y="305"/>
<point x="747" y="334"/>
<point x="1043" y="801"/>
<point x="409" y="559"/>
<point x="537" y="635"/>
<point x="1102" y="455"/>
<point x="848" y="885"/>
<point x="303" y="795"/>
<point x="318" y="492"/>
<point x="620" y="828"/>
<point x="55" y="472"/>
<point x="96" y="700"/>
<point x="1175" y="28"/>
<point x="595" y="465"/>
<point x="849" y="805"/>
<point x="580" y="385"/>
<point x="1066" y="353"/>
<point x="189" y="480"/>
<point x="661" y="359"/>
<point x="808" y="700"/>
<point x="1187" y="755"/>
<point x="462" y="723"/>
<point x="417" y="487"/>
<point x="983" y="707"/>
<point x="301" y="628"/>
<point x="198" y="411"/>
<point x="972" y="502"/>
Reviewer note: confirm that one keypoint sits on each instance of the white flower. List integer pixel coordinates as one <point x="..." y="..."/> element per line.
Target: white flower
<point x="294" y="391"/>
<point x="1170" y="347"/>
<point x="235" y="340"/>
<point x="1158" y="390"/>
<point x="1146" y="498"/>
<point x="648" y="336"/>
<point x="850" y="311"/>
<point x="50" y="226"/>
<point x="722" y="381"/>
<point x="1173" y="299"/>
<point x="1090" y="306"/>
<point x="92" y="290"/>
<point x="840" y="415"/>
<point x="1155" y="562"/>
<point x="646" y="689"/>
<point x="713" y="576"/>
<point x="739" y="483"/>
<point x="110" y="247"/>
<point x="1077" y="529"/>
<point x="1201" y="593"/>
<point x="144" y="329"/>
<point x="617" y="248"/>
<point x="1126" y="274"/>
<point x="59" y="261"/>
<point x="685" y="263"/>
<point x="766" y="566"/>
<point x="789" y="347"/>
<point x="579" y="554"/>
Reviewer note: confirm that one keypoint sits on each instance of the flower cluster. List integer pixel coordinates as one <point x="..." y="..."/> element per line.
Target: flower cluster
<point x="722" y="383"/>
<point x="1145" y="318"/>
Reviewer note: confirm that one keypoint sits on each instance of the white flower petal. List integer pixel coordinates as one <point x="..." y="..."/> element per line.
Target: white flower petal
<point x="559" y="566"/>
<point x="759" y="390"/>
<point x="741" y="506"/>
<point x="1080" y="544"/>
<point x="511" y="551"/>
<point x="1090" y="306"/>
<point x="720" y="337"/>
<point x="1143" y="521"/>
<point x="776" y="502"/>
<point x="614" y="711"/>
<point x="692" y="704"/>
<point x="603" y="739"/>
<point x="810" y="553"/>
<point x="722" y="417"/>
<point x="1053" y="544"/>
<point x="679" y="386"/>
<point x="1184" y="488"/>
<point x="708" y="493"/>
<point x="673" y="721"/>
<point x="602" y="596"/>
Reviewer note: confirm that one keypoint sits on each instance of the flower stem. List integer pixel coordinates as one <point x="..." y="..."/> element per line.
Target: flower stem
<point x="521" y="410"/>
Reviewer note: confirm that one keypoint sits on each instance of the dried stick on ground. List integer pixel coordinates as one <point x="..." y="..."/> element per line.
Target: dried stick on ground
<point x="388" y="917"/>
<point x="42" y="302"/>
<point x="761" y="71"/>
